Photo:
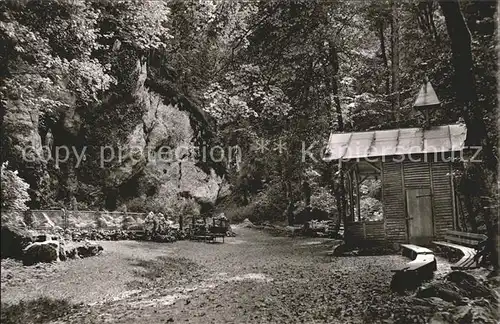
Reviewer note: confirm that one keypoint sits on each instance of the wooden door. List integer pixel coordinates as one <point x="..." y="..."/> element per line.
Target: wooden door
<point x="419" y="211"/>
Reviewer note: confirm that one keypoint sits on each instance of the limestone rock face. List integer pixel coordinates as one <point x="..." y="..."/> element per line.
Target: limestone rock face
<point x="161" y="149"/>
<point x="21" y="122"/>
<point x="149" y="154"/>
<point x="22" y="143"/>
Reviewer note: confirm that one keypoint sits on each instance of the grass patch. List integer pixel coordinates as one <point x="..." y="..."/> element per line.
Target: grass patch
<point x="164" y="270"/>
<point x="41" y="310"/>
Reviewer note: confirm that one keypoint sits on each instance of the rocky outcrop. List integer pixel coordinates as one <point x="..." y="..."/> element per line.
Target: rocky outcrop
<point x="460" y="298"/>
<point x="158" y="154"/>
<point x="14" y="240"/>
<point x="21" y="123"/>
<point x="165" y="138"/>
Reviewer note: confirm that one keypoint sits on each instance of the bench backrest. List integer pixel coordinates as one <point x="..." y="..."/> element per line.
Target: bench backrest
<point x="217" y="229"/>
<point x="464" y="238"/>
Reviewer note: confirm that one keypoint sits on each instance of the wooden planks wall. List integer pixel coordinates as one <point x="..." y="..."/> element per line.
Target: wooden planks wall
<point x="417" y="175"/>
<point x="393" y="200"/>
<point x="355" y="231"/>
<point x="373" y="231"/>
<point x="442" y="198"/>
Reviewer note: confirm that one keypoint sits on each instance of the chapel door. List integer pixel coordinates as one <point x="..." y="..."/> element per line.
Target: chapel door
<point x="419" y="211"/>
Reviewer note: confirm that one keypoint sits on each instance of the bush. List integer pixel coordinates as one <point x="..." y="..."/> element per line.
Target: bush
<point x="236" y="214"/>
<point x="14" y="190"/>
<point x="267" y="205"/>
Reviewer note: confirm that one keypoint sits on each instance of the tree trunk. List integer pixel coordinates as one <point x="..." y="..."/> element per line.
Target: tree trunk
<point x="395" y="59"/>
<point x="464" y="80"/>
<point x="332" y="83"/>
<point x="384" y="56"/>
<point x="306" y="191"/>
<point x="430" y="12"/>
<point x="339" y="193"/>
<point x="479" y="178"/>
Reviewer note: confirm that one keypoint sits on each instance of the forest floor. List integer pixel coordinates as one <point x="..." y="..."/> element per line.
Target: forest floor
<point x="254" y="277"/>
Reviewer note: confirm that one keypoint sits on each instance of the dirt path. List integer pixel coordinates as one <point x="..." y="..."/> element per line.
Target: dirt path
<point x="252" y="278"/>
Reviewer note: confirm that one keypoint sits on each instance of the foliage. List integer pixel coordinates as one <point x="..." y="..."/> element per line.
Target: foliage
<point x="371" y="209"/>
<point x="14" y="190"/>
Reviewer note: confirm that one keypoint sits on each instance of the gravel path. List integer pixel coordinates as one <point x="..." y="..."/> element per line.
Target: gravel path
<point x="252" y="278"/>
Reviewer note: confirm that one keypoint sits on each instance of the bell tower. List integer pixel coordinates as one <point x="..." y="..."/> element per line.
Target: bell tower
<point x="427" y="101"/>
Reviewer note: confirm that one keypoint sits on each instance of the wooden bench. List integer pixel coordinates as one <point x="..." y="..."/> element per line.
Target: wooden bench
<point x="217" y="232"/>
<point x="219" y="228"/>
<point x="466" y="243"/>
<point x="208" y="236"/>
<point x="423" y="260"/>
<point x="205" y="238"/>
<point x="421" y="268"/>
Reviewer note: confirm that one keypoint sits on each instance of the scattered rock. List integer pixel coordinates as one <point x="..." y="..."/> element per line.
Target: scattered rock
<point x="441" y="318"/>
<point x="88" y="249"/>
<point x="13" y="241"/>
<point x="71" y="252"/>
<point x="443" y="291"/>
<point x="433" y="302"/>
<point x="475" y="313"/>
<point x="470" y="286"/>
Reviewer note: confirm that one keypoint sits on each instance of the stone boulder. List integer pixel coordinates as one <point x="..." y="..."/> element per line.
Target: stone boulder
<point x="71" y="252"/>
<point x="46" y="252"/>
<point x="444" y="291"/>
<point x="13" y="241"/>
<point x="88" y="249"/>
